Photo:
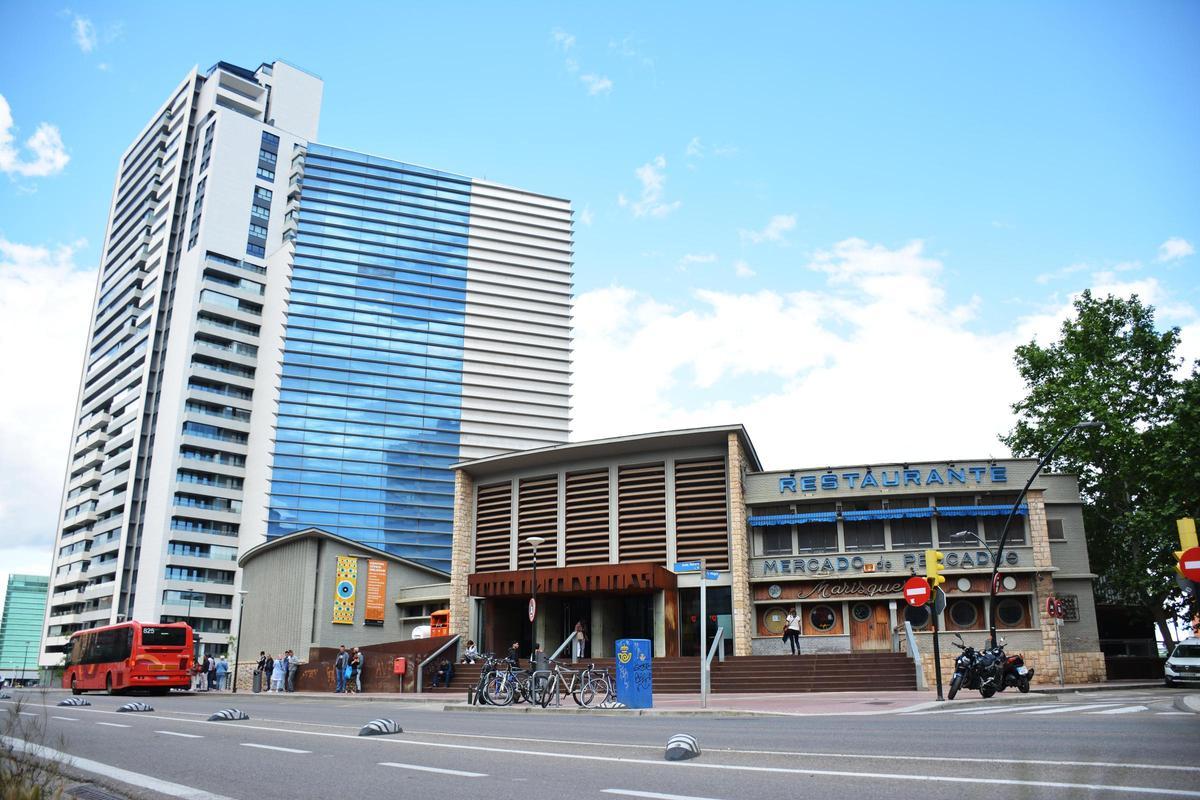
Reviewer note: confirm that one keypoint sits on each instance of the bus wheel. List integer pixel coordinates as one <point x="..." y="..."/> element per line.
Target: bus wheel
<point x="108" y="689"/>
<point x="74" y="687"/>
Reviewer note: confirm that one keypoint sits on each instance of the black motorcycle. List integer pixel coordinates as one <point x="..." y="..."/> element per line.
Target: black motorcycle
<point x="1015" y="672"/>
<point x="976" y="669"/>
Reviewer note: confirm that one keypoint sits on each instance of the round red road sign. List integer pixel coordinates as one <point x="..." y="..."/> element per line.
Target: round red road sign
<point x="532" y="608"/>
<point x="916" y="591"/>
<point x="1189" y="563"/>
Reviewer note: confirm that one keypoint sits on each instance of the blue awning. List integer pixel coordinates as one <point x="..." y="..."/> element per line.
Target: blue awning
<point x="886" y="513"/>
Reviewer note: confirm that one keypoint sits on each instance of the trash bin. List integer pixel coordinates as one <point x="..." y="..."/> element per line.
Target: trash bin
<point x="635" y="676"/>
<point x="257" y="681"/>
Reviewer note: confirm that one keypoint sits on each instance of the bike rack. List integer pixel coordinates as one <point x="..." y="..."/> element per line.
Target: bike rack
<point x="915" y="653"/>
<point x="718" y="645"/>
<point x="421" y="667"/>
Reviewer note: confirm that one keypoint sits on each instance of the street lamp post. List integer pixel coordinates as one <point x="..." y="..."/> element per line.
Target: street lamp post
<point x="533" y="542"/>
<point x="25" y="665"/>
<point x="237" y="648"/>
<point x="1013" y="511"/>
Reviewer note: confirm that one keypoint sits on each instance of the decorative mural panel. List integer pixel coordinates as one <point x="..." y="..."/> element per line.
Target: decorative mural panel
<point x="345" y="587"/>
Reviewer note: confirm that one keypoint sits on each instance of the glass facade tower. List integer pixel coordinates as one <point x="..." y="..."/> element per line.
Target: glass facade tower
<point x="21" y="626"/>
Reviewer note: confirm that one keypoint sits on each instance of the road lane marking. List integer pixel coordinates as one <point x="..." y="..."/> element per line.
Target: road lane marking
<point x="283" y="749"/>
<point x="181" y="735"/>
<point x="66" y="719"/>
<point x="1174" y="713"/>
<point x="112" y="724"/>
<point x="1122" y="710"/>
<point x="1065" y="709"/>
<point x="457" y="772"/>
<point x="116" y="773"/>
<point x="1001" y="710"/>
<point x="653" y="795"/>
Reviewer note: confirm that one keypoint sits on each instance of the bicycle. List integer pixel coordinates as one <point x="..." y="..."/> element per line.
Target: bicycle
<point x="587" y="687"/>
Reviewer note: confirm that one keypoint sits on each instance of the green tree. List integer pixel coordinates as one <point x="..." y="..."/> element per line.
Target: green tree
<point x="1138" y="472"/>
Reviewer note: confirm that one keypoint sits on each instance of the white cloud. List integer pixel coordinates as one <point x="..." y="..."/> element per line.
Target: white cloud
<point x="46" y="145"/>
<point x="875" y="364"/>
<point x="562" y="40"/>
<point x="44" y="305"/>
<point x="652" y="175"/>
<point x="773" y="232"/>
<point x="626" y="49"/>
<point x="597" y="84"/>
<point x="697" y="149"/>
<point x="585" y="216"/>
<point x="85" y="33"/>
<point x="698" y="258"/>
<point x="1175" y="248"/>
<point x="743" y="270"/>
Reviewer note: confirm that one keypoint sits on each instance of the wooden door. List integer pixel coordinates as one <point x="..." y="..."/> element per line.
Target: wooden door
<point x="869" y="626"/>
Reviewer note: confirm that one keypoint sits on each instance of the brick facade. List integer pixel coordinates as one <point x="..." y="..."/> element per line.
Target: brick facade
<point x="739" y="551"/>
<point x="460" y="552"/>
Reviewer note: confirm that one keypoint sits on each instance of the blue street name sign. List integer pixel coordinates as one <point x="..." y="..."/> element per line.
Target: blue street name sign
<point x="709" y="575"/>
<point x="687" y="566"/>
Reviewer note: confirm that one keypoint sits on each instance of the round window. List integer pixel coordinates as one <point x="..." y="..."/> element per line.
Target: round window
<point x="964" y="614"/>
<point x="861" y="612"/>
<point x="822" y="618"/>
<point x="917" y="616"/>
<point x="1011" y="612"/>
<point x="775" y="620"/>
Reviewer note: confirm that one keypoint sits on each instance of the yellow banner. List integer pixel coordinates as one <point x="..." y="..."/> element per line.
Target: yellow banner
<point x="344" y="589"/>
<point x="376" y="590"/>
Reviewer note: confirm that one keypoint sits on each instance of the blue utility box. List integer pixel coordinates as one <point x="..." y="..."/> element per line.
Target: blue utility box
<point x="635" y="679"/>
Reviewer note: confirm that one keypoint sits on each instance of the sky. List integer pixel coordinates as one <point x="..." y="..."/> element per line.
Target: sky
<point x="830" y="222"/>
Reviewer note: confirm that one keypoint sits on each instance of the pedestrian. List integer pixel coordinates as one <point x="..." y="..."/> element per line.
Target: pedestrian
<point x="260" y="671"/>
<point x="340" y="664"/>
<point x="791" y="634"/>
<point x="360" y="669"/>
<point x="222" y="671"/>
<point x="580" y="640"/>
<point x="198" y="674"/>
<point x="293" y="668"/>
<point x="514" y="654"/>
<point x="352" y="677"/>
<point x="278" y="674"/>
<point x="210" y="666"/>
<point x="472" y="652"/>
<point x="444" y="674"/>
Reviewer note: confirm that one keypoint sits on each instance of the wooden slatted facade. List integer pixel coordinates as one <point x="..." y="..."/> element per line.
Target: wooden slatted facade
<point x="642" y="513"/>
<point x="537" y="514"/>
<point x="587" y="517"/>
<point x="493" y="527"/>
<point x="701" y="515"/>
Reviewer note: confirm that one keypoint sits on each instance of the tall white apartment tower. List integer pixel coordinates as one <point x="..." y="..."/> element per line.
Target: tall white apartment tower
<point x="288" y="335"/>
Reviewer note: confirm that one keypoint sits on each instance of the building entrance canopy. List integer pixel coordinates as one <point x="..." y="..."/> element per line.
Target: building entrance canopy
<point x="635" y="578"/>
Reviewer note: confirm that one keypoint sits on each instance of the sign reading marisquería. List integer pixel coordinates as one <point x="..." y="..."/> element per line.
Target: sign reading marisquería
<point x="881" y="563"/>
<point x="934" y="476"/>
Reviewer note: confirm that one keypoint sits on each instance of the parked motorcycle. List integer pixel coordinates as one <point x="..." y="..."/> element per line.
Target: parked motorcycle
<point x="976" y="669"/>
<point x="1015" y="672"/>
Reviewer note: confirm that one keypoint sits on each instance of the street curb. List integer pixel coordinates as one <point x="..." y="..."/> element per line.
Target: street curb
<point x="626" y="712"/>
<point x="1008" y="700"/>
<point x="1099" y="687"/>
<point x="1189" y="703"/>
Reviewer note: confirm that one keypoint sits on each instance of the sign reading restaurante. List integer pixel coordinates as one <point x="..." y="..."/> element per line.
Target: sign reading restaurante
<point x="833" y="481"/>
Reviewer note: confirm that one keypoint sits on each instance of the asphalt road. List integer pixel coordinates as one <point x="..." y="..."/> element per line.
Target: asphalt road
<point x="1105" y="744"/>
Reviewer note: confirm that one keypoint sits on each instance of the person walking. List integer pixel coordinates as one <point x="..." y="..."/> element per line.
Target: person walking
<point x="360" y="669"/>
<point x="580" y="641"/>
<point x="278" y="675"/>
<point x="222" y="671"/>
<point x="340" y="662"/>
<point x="293" y="667"/>
<point x="792" y="632"/>
<point x="352" y="679"/>
<point x="210" y="666"/>
<point x="260" y="671"/>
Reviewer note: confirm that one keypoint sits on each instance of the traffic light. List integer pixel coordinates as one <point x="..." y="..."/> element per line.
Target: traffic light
<point x="933" y="569"/>
<point x="1187" y="540"/>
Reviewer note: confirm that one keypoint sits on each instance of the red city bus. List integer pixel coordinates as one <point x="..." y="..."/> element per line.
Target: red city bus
<point x="131" y="655"/>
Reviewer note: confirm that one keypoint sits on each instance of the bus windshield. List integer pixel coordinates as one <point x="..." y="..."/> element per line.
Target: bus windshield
<point x="162" y="637"/>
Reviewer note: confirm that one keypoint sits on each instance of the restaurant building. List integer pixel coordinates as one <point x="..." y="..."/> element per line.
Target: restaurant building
<point x="834" y="543"/>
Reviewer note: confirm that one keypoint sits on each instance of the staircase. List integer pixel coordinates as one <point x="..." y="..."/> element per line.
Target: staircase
<point x="843" y="672"/>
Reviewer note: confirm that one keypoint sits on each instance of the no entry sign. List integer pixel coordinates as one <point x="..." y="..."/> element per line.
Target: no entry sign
<point x="1189" y="564"/>
<point x="916" y="591"/>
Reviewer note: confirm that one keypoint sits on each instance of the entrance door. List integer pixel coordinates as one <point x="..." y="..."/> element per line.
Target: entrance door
<point x="869" y="626"/>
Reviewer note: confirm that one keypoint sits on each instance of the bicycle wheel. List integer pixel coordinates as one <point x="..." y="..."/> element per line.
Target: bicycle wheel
<point x="546" y="691"/>
<point x="500" y="691"/>
<point x="597" y="690"/>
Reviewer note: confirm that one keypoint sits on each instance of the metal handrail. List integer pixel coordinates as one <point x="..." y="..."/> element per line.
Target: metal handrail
<point x="421" y="667"/>
<point x="566" y="642"/>
<point x="915" y="653"/>
<point x="718" y="644"/>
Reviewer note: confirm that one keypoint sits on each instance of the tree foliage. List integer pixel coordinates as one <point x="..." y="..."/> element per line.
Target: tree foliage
<point x="1137" y="473"/>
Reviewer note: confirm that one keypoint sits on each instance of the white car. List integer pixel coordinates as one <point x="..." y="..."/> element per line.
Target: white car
<point x="1184" y="664"/>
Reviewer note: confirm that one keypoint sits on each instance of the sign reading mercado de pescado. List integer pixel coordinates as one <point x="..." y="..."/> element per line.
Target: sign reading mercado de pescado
<point x="891" y="562"/>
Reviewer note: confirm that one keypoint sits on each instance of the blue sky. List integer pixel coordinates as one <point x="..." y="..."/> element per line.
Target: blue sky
<point x="784" y="211"/>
